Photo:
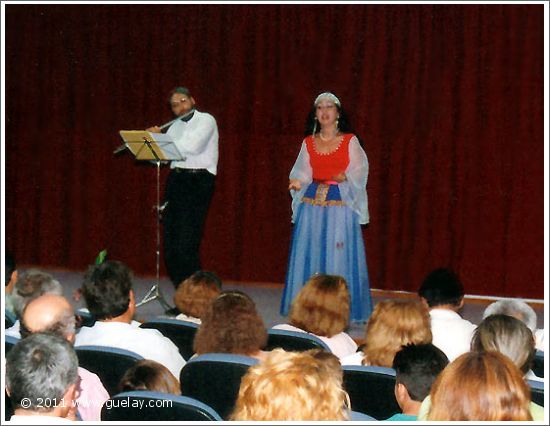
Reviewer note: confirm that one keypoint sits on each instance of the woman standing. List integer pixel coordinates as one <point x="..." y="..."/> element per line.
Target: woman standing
<point x="329" y="203"/>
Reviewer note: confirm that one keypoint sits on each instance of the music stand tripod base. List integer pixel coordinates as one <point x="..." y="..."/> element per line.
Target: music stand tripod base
<point x="154" y="293"/>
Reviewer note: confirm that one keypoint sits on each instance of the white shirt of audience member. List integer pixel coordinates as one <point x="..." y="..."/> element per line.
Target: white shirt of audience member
<point x="340" y="344"/>
<point x="451" y="333"/>
<point x="148" y="343"/>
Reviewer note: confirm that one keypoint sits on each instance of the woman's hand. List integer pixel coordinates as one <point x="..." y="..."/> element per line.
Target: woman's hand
<point x="294" y="184"/>
<point x="340" y="177"/>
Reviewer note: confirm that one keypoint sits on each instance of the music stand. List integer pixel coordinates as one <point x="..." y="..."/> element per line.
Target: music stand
<point x="155" y="147"/>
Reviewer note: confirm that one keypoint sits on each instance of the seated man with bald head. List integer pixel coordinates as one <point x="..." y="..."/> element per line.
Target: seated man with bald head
<point x="30" y="285"/>
<point x="54" y="314"/>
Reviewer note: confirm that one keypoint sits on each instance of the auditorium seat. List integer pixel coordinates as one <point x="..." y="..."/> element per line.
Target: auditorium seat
<point x="139" y="406"/>
<point x="10" y="342"/>
<point x="108" y="363"/>
<point x="371" y="390"/>
<point x="538" y="364"/>
<point x="215" y="379"/>
<point x="9" y="319"/>
<point x="293" y="341"/>
<point x="84" y="318"/>
<point x="537" y="392"/>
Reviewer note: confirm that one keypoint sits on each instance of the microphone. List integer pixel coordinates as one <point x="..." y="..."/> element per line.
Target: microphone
<point x="180" y="117"/>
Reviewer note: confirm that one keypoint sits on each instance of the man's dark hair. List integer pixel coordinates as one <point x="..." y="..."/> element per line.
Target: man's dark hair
<point x="180" y="90"/>
<point x="442" y="286"/>
<point x="38" y="368"/>
<point x="9" y="263"/>
<point x="106" y="289"/>
<point x="417" y="367"/>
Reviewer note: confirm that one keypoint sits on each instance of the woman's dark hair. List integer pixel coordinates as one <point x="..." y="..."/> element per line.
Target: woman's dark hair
<point x="344" y="124"/>
<point x="147" y="374"/>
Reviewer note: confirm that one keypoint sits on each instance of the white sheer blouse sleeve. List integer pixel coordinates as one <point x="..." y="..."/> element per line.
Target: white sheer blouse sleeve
<point x="354" y="190"/>
<point x="303" y="172"/>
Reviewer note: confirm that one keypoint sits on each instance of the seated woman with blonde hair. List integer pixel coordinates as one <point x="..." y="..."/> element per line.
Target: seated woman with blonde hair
<point x="301" y="386"/>
<point x="480" y="386"/>
<point x="322" y="308"/>
<point x="231" y="325"/>
<point x="150" y="375"/>
<point x="393" y="324"/>
<point x="194" y="295"/>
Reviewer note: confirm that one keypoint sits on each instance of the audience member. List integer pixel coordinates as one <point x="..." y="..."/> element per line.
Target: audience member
<point x="231" y="325"/>
<point x="54" y="314"/>
<point x="480" y="386"/>
<point x="108" y="293"/>
<point x="10" y="280"/>
<point x="194" y="295"/>
<point x="149" y="375"/>
<point x="42" y="379"/>
<point x="416" y="368"/>
<point x="509" y="336"/>
<point x="523" y="312"/>
<point x="392" y="324"/>
<point x="286" y="386"/>
<point x="443" y="292"/>
<point x="30" y="285"/>
<point x="322" y="308"/>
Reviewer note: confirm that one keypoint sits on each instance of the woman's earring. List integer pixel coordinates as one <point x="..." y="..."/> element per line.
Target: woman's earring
<point x="337" y="120"/>
<point x="314" y="126"/>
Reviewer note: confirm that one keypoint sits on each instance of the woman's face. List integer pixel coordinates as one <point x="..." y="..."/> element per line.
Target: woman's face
<point x="326" y="112"/>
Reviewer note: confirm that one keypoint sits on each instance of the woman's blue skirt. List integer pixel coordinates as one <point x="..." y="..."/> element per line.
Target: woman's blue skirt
<point x="327" y="239"/>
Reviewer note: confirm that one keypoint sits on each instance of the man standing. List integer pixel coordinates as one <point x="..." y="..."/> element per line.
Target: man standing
<point x="189" y="186"/>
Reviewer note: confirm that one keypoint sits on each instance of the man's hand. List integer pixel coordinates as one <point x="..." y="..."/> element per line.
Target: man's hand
<point x="154" y="129"/>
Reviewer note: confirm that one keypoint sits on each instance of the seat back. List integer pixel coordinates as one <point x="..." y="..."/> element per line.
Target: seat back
<point x="537" y="392"/>
<point x="9" y="319"/>
<point x="293" y="341"/>
<point x="10" y="342"/>
<point x="215" y="379"/>
<point x="371" y="390"/>
<point x="181" y="333"/>
<point x="108" y="363"/>
<point x="84" y="318"/>
<point x="156" y="406"/>
<point x="538" y="364"/>
<point x="356" y="416"/>
<point x="9" y="408"/>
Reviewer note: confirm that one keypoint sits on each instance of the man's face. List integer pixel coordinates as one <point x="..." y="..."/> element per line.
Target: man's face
<point x="181" y="104"/>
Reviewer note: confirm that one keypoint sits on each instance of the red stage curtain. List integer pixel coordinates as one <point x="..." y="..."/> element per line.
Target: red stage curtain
<point x="448" y="100"/>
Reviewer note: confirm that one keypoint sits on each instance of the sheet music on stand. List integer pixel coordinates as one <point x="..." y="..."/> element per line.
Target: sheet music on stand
<point x="150" y="146"/>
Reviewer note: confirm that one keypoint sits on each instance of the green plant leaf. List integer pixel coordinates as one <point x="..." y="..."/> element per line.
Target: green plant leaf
<point x="101" y="257"/>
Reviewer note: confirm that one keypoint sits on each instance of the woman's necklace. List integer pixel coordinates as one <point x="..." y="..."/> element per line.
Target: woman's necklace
<point x="327" y="139"/>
